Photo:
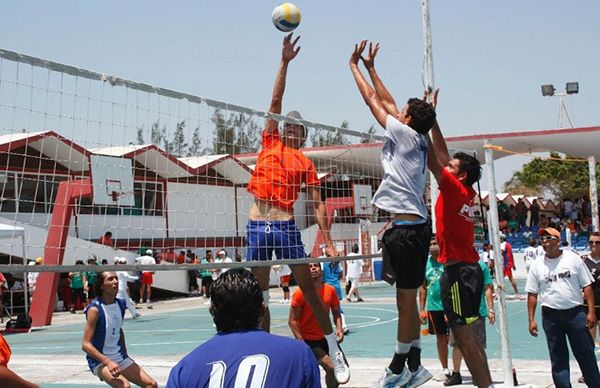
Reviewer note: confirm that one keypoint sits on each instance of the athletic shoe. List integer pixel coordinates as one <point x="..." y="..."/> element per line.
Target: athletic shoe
<point x="419" y="377"/>
<point x="207" y="302"/>
<point x="137" y="315"/>
<point x="443" y="376"/>
<point x="454" y="379"/>
<point x="581" y="380"/>
<point x="360" y="300"/>
<point x="348" y="300"/>
<point x="390" y="380"/>
<point x="284" y="301"/>
<point x="341" y="367"/>
<point x="345" y="330"/>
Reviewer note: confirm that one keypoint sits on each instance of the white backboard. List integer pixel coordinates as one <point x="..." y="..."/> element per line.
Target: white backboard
<point x="112" y="180"/>
<point x="362" y="200"/>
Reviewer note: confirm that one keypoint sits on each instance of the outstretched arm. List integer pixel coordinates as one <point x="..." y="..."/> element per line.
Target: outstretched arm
<point x="288" y="52"/>
<point x="439" y="143"/>
<point x="366" y="90"/>
<point x="384" y="95"/>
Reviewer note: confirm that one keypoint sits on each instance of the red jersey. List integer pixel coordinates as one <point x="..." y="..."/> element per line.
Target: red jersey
<point x="455" y="223"/>
<point x="280" y="172"/>
<point x="309" y="327"/>
<point x="106" y="241"/>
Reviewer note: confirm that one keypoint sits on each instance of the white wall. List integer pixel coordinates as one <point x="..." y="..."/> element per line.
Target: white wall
<point x="201" y="210"/>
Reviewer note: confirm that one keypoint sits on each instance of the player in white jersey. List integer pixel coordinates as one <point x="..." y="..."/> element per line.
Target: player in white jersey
<point x="104" y="340"/>
<point x="125" y="277"/>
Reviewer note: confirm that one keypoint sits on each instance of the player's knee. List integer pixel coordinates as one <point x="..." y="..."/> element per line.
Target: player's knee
<point x="286" y="289"/>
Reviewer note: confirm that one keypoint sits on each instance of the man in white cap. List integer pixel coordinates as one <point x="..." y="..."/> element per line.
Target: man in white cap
<point x="222" y="258"/>
<point x="147" y="277"/>
<point x="559" y="280"/>
<point x="281" y="170"/>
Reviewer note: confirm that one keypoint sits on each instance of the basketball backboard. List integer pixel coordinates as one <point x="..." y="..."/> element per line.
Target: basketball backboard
<point x="112" y="180"/>
<point x="362" y="200"/>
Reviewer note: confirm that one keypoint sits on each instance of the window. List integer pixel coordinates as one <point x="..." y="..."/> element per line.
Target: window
<point x="8" y="193"/>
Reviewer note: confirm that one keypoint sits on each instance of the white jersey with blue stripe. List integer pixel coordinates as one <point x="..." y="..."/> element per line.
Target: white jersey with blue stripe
<point x="107" y="336"/>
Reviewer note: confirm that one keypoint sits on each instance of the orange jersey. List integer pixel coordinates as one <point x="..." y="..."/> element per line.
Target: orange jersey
<point x="4" y="352"/>
<point x="309" y="327"/>
<point x="280" y="172"/>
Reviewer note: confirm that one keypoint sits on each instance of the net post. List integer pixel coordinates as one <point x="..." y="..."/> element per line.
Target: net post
<point x="499" y="275"/>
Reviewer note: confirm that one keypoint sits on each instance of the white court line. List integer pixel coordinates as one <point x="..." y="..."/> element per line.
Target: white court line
<point x="78" y="347"/>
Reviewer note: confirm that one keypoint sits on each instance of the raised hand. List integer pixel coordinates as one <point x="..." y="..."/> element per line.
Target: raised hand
<point x="289" y="51"/>
<point x="369" y="60"/>
<point x="434" y="97"/>
<point x="358" y="50"/>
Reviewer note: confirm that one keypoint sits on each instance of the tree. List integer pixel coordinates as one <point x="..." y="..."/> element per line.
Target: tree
<point x="140" y="136"/>
<point x="195" y="148"/>
<point x="554" y="176"/>
<point x="178" y="145"/>
<point x="235" y="134"/>
<point x="322" y="138"/>
<point x="369" y="139"/>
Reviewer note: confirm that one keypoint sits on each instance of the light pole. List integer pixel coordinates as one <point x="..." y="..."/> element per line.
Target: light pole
<point x="570" y="88"/>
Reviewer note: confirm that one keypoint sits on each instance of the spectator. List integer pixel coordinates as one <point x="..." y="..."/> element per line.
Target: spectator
<point x="432" y="309"/>
<point x="554" y="221"/>
<point x="32" y="276"/>
<point x="124" y="277"/>
<point x="104" y="262"/>
<point x="530" y="253"/>
<point x="567" y="208"/>
<point x="169" y="255"/>
<point x="559" y="280"/>
<point x="487" y="256"/>
<point x="78" y="283"/>
<point x="106" y="240"/>
<point x="353" y="275"/>
<point x="90" y="278"/>
<point x="237" y="309"/>
<point x="534" y="210"/>
<point x="207" y="274"/>
<point x="543" y="221"/>
<point x="285" y="275"/>
<point x="509" y="264"/>
<point x="521" y="212"/>
<point x="147" y="278"/>
<point x="181" y="257"/>
<point x="193" y="274"/>
<point x="222" y="258"/>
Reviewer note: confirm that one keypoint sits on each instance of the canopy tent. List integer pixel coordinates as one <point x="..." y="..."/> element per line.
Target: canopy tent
<point x="11" y="231"/>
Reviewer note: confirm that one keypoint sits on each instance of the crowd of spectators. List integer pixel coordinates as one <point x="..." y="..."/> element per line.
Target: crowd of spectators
<point x="521" y="222"/>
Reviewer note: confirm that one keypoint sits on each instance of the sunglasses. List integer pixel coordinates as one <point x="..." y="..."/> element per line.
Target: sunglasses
<point x="548" y="238"/>
<point x="597" y="242"/>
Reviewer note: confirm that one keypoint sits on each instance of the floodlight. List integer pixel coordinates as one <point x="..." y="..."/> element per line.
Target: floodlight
<point x="548" y="90"/>
<point x="572" y="87"/>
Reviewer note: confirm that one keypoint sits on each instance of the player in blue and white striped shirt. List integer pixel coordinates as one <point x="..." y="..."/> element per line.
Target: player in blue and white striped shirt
<point x="104" y="340"/>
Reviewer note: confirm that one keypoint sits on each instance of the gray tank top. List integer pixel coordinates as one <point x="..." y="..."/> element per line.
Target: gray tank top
<point x="404" y="161"/>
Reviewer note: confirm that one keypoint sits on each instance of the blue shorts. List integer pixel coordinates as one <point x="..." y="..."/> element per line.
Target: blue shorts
<point x="265" y="236"/>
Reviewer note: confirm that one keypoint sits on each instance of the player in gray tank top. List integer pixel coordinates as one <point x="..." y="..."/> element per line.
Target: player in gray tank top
<point x="406" y="244"/>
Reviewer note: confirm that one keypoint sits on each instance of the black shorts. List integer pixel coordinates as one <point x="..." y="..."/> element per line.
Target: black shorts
<point x="437" y="322"/>
<point x="91" y="294"/>
<point x="318" y="347"/>
<point x="461" y="286"/>
<point x="405" y="249"/>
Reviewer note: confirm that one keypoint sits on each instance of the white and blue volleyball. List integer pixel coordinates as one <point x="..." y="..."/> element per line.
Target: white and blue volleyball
<point x="286" y="17"/>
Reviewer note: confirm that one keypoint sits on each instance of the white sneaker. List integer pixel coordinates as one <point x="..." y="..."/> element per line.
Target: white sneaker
<point x="390" y="380"/>
<point x="207" y="302"/>
<point x="341" y="367"/>
<point x="419" y="377"/>
<point x="137" y="315"/>
<point x="284" y="301"/>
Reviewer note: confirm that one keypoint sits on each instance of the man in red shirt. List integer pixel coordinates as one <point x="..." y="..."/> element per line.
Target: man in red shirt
<point x="280" y="172"/>
<point x="304" y="325"/>
<point x="462" y="281"/>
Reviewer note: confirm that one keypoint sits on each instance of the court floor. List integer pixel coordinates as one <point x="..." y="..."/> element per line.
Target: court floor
<point x="171" y="334"/>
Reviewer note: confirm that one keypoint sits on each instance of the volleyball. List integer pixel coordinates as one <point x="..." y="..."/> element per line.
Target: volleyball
<point x="286" y="17"/>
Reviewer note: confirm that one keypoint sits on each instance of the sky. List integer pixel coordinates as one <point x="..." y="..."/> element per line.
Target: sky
<point x="490" y="58"/>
